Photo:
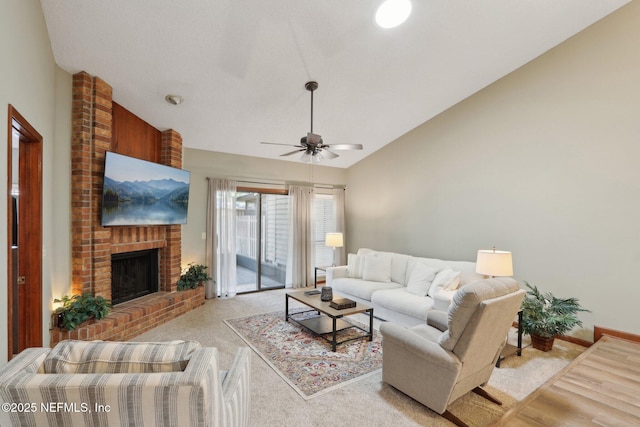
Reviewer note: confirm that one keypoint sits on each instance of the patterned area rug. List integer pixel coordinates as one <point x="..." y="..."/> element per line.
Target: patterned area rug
<point x="305" y="361"/>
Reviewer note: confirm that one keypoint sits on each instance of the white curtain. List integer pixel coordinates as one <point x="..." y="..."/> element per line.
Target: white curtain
<point x="300" y="258"/>
<point x="338" y="197"/>
<point x="221" y="238"/>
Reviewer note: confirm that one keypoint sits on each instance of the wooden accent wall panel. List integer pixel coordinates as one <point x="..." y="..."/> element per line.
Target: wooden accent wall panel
<point x="134" y="137"/>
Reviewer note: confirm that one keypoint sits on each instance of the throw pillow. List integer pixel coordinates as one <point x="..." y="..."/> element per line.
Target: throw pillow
<point x="354" y="266"/>
<point x="446" y="279"/>
<point x="101" y="357"/>
<point x="377" y="268"/>
<point x="420" y="279"/>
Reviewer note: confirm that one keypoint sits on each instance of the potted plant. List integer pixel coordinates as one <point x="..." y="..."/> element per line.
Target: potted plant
<point x="544" y="317"/>
<point x="193" y="277"/>
<point x="77" y="309"/>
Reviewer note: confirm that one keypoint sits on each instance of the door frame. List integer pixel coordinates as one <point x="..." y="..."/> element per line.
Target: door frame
<point x="30" y="293"/>
<point x="260" y="192"/>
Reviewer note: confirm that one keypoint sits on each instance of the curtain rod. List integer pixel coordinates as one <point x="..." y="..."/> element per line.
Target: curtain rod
<point x="284" y="183"/>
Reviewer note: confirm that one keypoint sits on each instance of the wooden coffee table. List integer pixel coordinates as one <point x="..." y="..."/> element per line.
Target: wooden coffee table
<point x="328" y="320"/>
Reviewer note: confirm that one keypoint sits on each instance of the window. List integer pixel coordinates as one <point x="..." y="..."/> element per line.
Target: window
<point x="324" y="221"/>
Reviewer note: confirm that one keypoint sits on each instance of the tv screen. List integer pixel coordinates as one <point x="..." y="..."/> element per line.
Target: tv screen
<point x="138" y="192"/>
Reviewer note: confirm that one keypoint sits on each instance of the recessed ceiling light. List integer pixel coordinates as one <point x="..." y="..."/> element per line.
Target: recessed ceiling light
<point x="173" y="99"/>
<point x="392" y="13"/>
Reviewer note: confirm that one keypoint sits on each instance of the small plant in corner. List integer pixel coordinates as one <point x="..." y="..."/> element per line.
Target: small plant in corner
<point x="77" y="309"/>
<point x="544" y="316"/>
<point x="193" y="277"/>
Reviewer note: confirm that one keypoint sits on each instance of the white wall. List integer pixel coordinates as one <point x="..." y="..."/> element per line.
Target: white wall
<point x="30" y="81"/>
<point x="203" y="164"/>
<point x="543" y="163"/>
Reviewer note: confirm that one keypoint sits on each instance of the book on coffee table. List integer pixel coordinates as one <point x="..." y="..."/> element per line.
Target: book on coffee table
<point x="342" y="303"/>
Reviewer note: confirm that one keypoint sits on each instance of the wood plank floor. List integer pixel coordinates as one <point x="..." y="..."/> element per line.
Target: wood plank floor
<point x="601" y="387"/>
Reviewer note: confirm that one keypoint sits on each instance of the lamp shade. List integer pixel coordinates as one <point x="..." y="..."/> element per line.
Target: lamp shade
<point x="494" y="263"/>
<point x="334" y="240"/>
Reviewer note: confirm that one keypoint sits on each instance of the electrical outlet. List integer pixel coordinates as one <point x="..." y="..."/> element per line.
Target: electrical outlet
<point x="204" y="235"/>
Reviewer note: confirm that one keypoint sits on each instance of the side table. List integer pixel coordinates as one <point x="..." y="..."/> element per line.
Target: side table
<point x="510" y="349"/>
<point x="315" y="275"/>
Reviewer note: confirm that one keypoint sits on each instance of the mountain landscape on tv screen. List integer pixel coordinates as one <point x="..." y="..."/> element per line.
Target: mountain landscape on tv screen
<point x="152" y="202"/>
<point x="145" y="191"/>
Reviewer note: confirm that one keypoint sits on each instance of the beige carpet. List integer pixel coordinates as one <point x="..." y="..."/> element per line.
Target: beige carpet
<point x="364" y="402"/>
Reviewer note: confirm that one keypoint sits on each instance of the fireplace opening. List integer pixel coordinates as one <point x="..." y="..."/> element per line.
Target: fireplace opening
<point x="133" y="274"/>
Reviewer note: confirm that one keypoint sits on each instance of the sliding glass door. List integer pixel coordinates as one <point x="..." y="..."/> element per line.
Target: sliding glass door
<point x="261" y="240"/>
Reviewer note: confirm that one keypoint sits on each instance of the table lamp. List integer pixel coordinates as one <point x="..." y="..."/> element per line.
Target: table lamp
<point x="494" y="263"/>
<point x="334" y="240"/>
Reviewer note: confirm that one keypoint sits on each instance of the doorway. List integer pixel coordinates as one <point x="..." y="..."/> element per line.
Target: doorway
<point x="261" y="240"/>
<point x="24" y="207"/>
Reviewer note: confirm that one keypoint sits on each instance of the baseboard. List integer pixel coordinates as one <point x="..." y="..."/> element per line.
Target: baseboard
<point x="599" y="331"/>
<point x="574" y="340"/>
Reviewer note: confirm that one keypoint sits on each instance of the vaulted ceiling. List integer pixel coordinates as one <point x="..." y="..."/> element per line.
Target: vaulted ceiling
<point x="241" y="65"/>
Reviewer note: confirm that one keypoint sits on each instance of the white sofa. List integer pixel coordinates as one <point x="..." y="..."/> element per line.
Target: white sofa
<point x="400" y="288"/>
<point x="100" y="383"/>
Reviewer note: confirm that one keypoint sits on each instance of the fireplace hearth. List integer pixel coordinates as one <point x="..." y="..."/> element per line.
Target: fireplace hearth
<point x="133" y="274"/>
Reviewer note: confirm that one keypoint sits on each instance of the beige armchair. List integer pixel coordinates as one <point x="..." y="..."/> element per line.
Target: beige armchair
<point x="456" y="351"/>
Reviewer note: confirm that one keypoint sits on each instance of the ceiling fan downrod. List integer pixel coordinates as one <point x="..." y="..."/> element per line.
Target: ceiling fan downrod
<point x="311" y="86"/>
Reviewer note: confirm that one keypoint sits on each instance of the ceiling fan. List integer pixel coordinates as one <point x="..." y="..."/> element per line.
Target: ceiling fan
<point x="311" y="146"/>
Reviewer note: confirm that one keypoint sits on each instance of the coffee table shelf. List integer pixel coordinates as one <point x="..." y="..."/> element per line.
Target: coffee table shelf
<point x="329" y="320"/>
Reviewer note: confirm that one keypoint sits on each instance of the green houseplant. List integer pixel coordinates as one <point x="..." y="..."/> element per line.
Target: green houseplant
<point x="77" y="309"/>
<point x="193" y="277"/>
<point x="544" y="317"/>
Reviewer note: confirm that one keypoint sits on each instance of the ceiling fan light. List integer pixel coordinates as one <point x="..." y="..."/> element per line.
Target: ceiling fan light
<point x="317" y="158"/>
<point x="305" y="157"/>
<point x="392" y="13"/>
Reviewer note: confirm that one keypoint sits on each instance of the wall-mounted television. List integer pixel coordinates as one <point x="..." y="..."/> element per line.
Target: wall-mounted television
<point x="139" y="192"/>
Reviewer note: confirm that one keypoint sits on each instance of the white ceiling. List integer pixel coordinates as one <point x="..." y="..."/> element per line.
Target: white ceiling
<point x="241" y="65"/>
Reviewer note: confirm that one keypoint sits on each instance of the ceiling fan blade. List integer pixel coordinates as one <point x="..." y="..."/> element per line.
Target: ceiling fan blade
<point x="345" y="146"/>
<point x="277" y="143"/>
<point x="329" y="154"/>
<point x="292" y="152"/>
<point x="313" y="139"/>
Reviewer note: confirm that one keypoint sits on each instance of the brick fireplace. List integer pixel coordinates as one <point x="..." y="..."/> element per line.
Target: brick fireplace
<point x="100" y="125"/>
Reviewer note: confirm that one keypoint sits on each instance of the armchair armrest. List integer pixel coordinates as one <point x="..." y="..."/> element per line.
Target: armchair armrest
<point x="431" y="352"/>
<point x="335" y="273"/>
<point x="438" y="319"/>
<point x="235" y="389"/>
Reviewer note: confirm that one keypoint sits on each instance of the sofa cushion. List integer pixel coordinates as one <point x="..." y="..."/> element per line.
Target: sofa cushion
<point x="377" y="268"/>
<point x="421" y="278"/>
<point x="402" y="301"/>
<point x="98" y="357"/>
<point x="447" y="279"/>
<point x="361" y="288"/>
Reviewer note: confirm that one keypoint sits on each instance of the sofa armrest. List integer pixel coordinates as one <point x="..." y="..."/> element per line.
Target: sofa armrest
<point x="235" y="389"/>
<point x="429" y="351"/>
<point x="442" y="299"/>
<point x="335" y="273"/>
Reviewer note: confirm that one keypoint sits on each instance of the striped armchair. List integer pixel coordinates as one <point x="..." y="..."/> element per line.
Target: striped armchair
<point x="82" y="383"/>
